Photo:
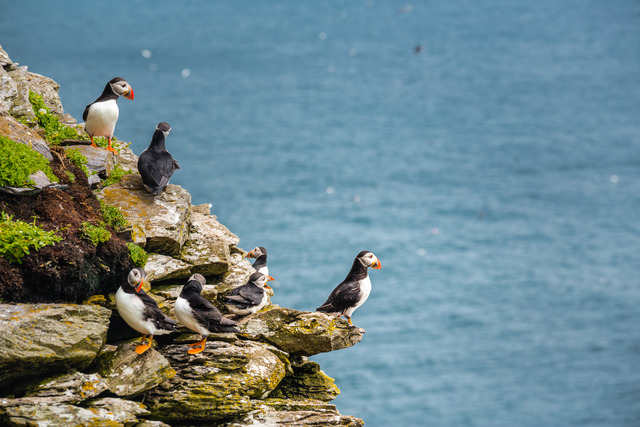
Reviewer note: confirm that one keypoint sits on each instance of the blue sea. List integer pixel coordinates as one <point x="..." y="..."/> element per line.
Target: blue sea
<point x="487" y="152"/>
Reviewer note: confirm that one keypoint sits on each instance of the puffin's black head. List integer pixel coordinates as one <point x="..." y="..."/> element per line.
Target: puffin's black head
<point x="136" y="278"/>
<point x="260" y="280"/>
<point x="368" y="259"/>
<point x="257" y="252"/>
<point x="120" y="87"/>
<point x="163" y="127"/>
<point x="196" y="282"/>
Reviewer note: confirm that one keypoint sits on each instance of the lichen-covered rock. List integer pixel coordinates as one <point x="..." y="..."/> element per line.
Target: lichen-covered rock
<point x="128" y="374"/>
<point x="37" y="339"/>
<point x="207" y="247"/>
<point x="43" y="411"/>
<point x="163" y="267"/>
<point x="21" y="106"/>
<point x="237" y="275"/>
<point x="217" y="384"/>
<point x="16" y="131"/>
<point x="164" y="218"/>
<point x="278" y="412"/>
<point x="70" y="388"/>
<point x="307" y="381"/>
<point x="301" y="332"/>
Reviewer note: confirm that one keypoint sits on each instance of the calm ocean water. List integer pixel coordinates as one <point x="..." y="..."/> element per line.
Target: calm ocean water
<point x="495" y="173"/>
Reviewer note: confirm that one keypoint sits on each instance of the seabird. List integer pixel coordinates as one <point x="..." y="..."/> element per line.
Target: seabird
<point x="250" y="297"/>
<point x="155" y="164"/>
<point x="140" y="311"/>
<point x="354" y="289"/>
<point x="199" y="314"/>
<point x="101" y="115"/>
<point x="260" y="264"/>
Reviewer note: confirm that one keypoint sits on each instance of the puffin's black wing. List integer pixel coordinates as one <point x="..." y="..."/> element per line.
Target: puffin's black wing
<point x="153" y="312"/>
<point x="160" y="168"/>
<point x="86" y="112"/>
<point x="247" y="295"/>
<point x="208" y="314"/>
<point x="345" y="295"/>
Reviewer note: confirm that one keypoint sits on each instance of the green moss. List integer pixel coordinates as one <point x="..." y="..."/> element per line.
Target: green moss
<point x="77" y="158"/>
<point x="19" y="237"/>
<point x="96" y="234"/>
<point x="116" y="175"/>
<point x="112" y="216"/>
<point x="72" y="177"/>
<point x="54" y="131"/>
<point x="18" y="161"/>
<point x="138" y="255"/>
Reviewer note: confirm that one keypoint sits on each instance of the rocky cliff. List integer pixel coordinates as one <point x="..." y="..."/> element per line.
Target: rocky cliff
<point x="66" y="357"/>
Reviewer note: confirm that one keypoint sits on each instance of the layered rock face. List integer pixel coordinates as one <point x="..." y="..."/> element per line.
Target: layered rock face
<point x="75" y="364"/>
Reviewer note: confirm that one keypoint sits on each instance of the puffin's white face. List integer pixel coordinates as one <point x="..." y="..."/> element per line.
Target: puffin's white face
<point x="255" y="253"/>
<point x="122" y="88"/>
<point x="370" y="260"/>
<point x="136" y="278"/>
<point x="262" y="280"/>
<point x="198" y="278"/>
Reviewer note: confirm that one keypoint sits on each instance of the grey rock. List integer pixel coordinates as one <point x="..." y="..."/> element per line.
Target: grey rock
<point x="21" y="106"/>
<point x="277" y="412"/>
<point x="164" y="218"/>
<point x="207" y="247"/>
<point x="164" y="267"/>
<point x="4" y="58"/>
<point x="128" y="373"/>
<point x="70" y="388"/>
<point x="301" y="332"/>
<point x="42" y="411"/>
<point x="99" y="160"/>
<point x="38" y="339"/>
<point x="48" y="89"/>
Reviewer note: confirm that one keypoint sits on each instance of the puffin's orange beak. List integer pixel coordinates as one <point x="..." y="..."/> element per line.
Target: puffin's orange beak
<point x="376" y="264"/>
<point x="270" y="279"/>
<point x="249" y="254"/>
<point x="129" y="95"/>
<point x="142" y="282"/>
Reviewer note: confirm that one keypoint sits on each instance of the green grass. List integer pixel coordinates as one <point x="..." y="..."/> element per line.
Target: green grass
<point x="116" y="175"/>
<point x="17" y="238"/>
<point x="54" y="131"/>
<point x="112" y="216"/>
<point x="18" y="161"/>
<point x="96" y="234"/>
<point x="138" y="255"/>
<point x="77" y="158"/>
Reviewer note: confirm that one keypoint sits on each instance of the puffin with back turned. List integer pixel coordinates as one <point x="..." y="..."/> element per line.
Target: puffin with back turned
<point x="354" y="290"/>
<point x="250" y="297"/>
<point x="260" y="264"/>
<point x="155" y="164"/>
<point x="199" y="314"/>
<point x="140" y="311"/>
<point x="101" y="115"/>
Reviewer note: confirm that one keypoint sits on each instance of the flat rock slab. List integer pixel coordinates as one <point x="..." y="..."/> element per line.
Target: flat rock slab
<point x="301" y="332"/>
<point x="99" y="160"/>
<point x="37" y="339"/>
<point x="277" y="412"/>
<point x="128" y="373"/>
<point x="164" y="219"/>
<point x="70" y="388"/>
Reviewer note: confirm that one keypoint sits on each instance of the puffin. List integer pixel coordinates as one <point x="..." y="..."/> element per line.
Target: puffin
<point x="260" y="264"/>
<point x="140" y="311"/>
<point x="155" y="164"/>
<point x="101" y="115"/>
<point x="354" y="290"/>
<point x="250" y="297"/>
<point x="199" y="314"/>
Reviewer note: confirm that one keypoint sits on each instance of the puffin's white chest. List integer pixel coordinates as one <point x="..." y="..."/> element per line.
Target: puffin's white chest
<point x="102" y="118"/>
<point x="186" y="317"/>
<point x="365" y="290"/>
<point x="263" y="270"/>
<point x="131" y="309"/>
